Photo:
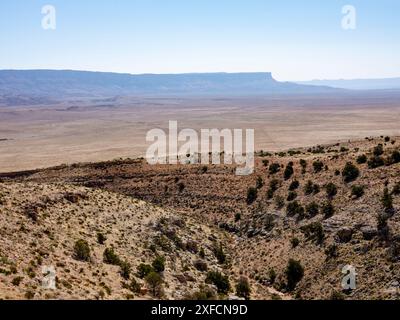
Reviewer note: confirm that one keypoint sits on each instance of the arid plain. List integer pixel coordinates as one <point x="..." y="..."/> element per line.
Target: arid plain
<point x="83" y="130"/>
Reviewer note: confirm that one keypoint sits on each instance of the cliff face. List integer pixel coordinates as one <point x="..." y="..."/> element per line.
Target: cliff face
<point x="52" y="83"/>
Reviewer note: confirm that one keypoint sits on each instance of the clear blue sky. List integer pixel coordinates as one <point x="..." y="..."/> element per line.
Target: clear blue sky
<point x="296" y="40"/>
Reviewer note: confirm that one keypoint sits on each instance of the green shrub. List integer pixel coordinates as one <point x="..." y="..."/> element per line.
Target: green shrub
<point x="220" y="254"/>
<point x="295" y="242"/>
<point x="294" y="185"/>
<point x="279" y="202"/>
<point x="17" y="281"/>
<point x="328" y="210"/>
<point x="288" y="172"/>
<point x="273" y="186"/>
<point x="154" y="281"/>
<point x="238" y="216"/>
<point x="331" y="190"/>
<point x="294" y="273"/>
<point x="312" y="209"/>
<point x="294" y="208"/>
<point x="357" y="191"/>
<point x="110" y="257"/>
<point x="143" y="270"/>
<point x="251" y="195"/>
<point x="394" y="157"/>
<point x="219" y="280"/>
<point x="272" y="275"/>
<point x="274" y="168"/>
<point x="309" y="188"/>
<point x="134" y="286"/>
<point x="378" y="150"/>
<point x="243" y="288"/>
<point x="291" y="196"/>
<point x="159" y="264"/>
<point x="303" y="163"/>
<point x="375" y="162"/>
<point x="81" y="250"/>
<point x="361" y="159"/>
<point x="387" y="200"/>
<point x="101" y="238"/>
<point x="318" y="166"/>
<point x="125" y="270"/>
<point x="314" y="232"/>
<point x="350" y="172"/>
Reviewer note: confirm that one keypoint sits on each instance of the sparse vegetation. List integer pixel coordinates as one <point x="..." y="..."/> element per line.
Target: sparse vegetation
<point x="273" y="187"/>
<point x="291" y="196"/>
<point x="361" y="159"/>
<point x="259" y="182"/>
<point x="288" y="171"/>
<point x="274" y="168"/>
<point x="82" y="250"/>
<point x="378" y="150"/>
<point x="357" y="191"/>
<point x="294" y="273"/>
<point x="143" y="270"/>
<point x="294" y="185"/>
<point x="251" y="195"/>
<point x="375" y="162"/>
<point x="312" y="209"/>
<point x="219" y="254"/>
<point x="328" y="210"/>
<point x="387" y="200"/>
<point x="294" y="208"/>
<point x="294" y="242"/>
<point x="219" y="280"/>
<point x="318" y="166"/>
<point x="154" y="281"/>
<point x="243" y="288"/>
<point x="314" y="232"/>
<point x="159" y="264"/>
<point x="350" y="172"/>
<point x="101" y="238"/>
<point x="331" y="190"/>
<point x="110" y="257"/>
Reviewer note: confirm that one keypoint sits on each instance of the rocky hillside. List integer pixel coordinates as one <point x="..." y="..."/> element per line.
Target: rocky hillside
<point x="290" y="228"/>
<point x="103" y="245"/>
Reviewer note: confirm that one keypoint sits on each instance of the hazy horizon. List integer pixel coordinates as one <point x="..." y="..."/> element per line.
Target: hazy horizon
<point x="199" y="72"/>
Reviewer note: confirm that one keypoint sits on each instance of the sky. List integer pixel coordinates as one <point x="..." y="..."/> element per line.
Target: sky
<point x="295" y="40"/>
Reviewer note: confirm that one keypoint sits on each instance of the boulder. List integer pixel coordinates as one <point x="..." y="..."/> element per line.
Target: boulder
<point x="344" y="235"/>
<point x="369" y="232"/>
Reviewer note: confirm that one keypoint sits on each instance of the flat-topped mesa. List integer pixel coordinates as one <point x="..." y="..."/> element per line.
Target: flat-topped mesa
<point x="64" y="83"/>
